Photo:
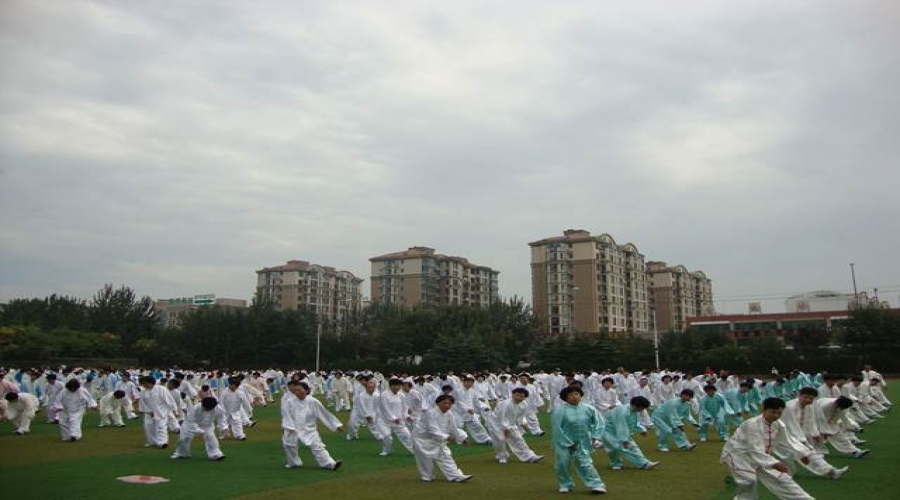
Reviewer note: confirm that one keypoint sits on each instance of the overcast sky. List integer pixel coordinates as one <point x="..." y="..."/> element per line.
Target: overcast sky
<point x="178" y="146"/>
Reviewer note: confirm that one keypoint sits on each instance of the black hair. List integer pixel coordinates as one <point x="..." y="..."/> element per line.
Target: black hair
<point x="520" y="390"/>
<point x="608" y="379"/>
<point x="640" y="402"/>
<point x="444" y="397"/>
<point x="843" y="402"/>
<point x="808" y="391"/>
<point x="73" y="384"/>
<point x="119" y="394"/>
<point x="687" y="392"/>
<point x="11" y="396"/>
<point x="146" y="379"/>
<point x="710" y="387"/>
<point x="773" y="404"/>
<point x="395" y="381"/>
<point x="564" y="394"/>
<point x="209" y="403"/>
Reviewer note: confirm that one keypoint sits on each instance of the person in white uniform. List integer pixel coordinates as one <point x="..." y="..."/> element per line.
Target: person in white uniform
<point x="299" y="415"/>
<point x="431" y="437"/>
<point x="750" y="455"/>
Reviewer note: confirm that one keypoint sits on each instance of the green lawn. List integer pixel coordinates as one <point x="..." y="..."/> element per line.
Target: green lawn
<point x="41" y="466"/>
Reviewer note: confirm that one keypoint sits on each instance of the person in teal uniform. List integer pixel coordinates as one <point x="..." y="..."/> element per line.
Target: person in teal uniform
<point x="617" y="438"/>
<point x="714" y="410"/>
<point x="669" y="418"/>
<point x="577" y="431"/>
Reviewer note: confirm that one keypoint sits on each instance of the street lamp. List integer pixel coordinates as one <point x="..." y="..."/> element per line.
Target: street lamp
<point x="318" y="341"/>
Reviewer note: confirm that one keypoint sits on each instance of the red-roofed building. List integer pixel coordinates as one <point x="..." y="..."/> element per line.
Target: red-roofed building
<point x="741" y="327"/>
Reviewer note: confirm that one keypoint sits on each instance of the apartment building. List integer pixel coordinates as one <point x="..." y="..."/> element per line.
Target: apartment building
<point x="330" y="293"/>
<point x="590" y="284"/>
<point x="418" y="275"/>
<point x="678" y="294"/>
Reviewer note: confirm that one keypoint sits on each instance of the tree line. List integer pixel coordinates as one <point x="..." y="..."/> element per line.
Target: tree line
<point x="118" y="323"/>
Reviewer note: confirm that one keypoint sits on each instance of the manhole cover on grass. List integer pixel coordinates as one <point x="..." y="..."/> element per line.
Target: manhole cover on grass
<point x="143" y="479"/>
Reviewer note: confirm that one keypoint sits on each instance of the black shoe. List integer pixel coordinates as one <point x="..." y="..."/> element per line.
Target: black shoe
<point x="73" y="439"/>
<point x="163" y="446"/>
<point x="219" y="458"/>
<point x="336" y="466"/>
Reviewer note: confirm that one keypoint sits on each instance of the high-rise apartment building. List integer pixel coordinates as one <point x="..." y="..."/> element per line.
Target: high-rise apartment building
<point x="421" y="276"/>
<point x="330" y="293"/>
<point x="589" y="284"/>
<point x="678" y="294"/>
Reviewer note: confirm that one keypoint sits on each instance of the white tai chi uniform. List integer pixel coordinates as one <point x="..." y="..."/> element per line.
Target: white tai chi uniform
<point x="834" y="424"/>
<point x="155" y="404"/>
<point x="237" y="407"/>
<point x="21" y="412"/>
<point x="394" y="414"/>
<point x="430" y="438"/>
<point x="749" y="455"/>
<point x="111" y="409"/>
<point x="505" y="427"/>
<point x="800" y="422"/>
<point x="71" y="406"/>
<point x="298" y="420"/>
<point x="199" y="421"/>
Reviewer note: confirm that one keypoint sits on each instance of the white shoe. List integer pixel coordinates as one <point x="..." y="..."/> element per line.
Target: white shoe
<point x="501" y="460"/>
<point x="860" y="453"/>
<point x="616" y="467"/>
<point x="463" y="479"/>
<point x="563" y="489"/>
<point x="535" y="459"/>
<point x="839" y="473"/>
<point x="383" y="454"/>
<point x="664" y="450"/>
<point x="598" y="491"/>
<point x="649" y="465"/>
<point x="703" y="439"/>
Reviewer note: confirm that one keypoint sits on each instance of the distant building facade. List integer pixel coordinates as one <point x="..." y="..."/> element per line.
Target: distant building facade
<point x="826" y="300"/>
<point x="171" y="311"/>
<point x="419" y="275"/>
<point x="742" y="327"/>
<point x="581" y="283"/>
<point x="678" y="294"/>
<point x="330" y="293"/>
<point x="590" y="284"/>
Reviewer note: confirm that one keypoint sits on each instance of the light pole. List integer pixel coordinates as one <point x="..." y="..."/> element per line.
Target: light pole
<point x="855" y="293"/>
<point x="318" y="342"/>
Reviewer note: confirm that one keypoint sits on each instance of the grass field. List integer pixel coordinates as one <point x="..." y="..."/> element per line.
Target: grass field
<point x="41" y="466"/>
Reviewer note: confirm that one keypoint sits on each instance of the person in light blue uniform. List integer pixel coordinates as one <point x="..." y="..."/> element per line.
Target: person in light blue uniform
<point x="669" y="418"/>
<point x="577" y="430"/>
<point x="714" y="409"/>
<point x="739" y="400"/>
<point x="617" y="438"/>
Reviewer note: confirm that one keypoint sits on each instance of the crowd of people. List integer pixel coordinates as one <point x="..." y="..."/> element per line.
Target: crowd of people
<point x="769" y="426"/>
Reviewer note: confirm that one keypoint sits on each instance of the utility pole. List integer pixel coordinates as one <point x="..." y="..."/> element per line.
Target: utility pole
<point x="318" y="342"/>
<point x="855" y="292"/>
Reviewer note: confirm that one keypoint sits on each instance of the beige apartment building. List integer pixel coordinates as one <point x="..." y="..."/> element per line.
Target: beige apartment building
<point x="330" y="293"/>
<point x="583" y="283"/>
<point x="678" y="294"/>
<point x="590" y="284"/>
<point x="421" y="276"/>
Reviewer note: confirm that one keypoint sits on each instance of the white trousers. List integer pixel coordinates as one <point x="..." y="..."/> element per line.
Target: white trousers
<point x="155" y="430"/>
<point x="70" y="424"/>
<point x="746" y="478"/>
<point x="402" y="433"/>
<point x="209" y="439"/>
<point x="443" y="458"/>
<point x="290" y="441"/>
<point x="111" y="418"/>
